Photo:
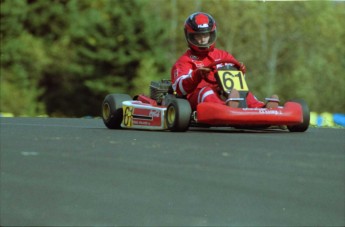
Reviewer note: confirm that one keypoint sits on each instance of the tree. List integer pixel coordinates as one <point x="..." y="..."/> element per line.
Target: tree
<point x="112" y="43"/>
<point x="62" y="57"/>
<point x="23" y="59"/>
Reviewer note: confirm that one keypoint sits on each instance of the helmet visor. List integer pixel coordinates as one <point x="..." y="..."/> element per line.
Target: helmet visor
<point x="202" y="39"/>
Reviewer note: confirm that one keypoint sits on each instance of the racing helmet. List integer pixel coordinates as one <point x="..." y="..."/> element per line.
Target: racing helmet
<point x="199" y="23"/>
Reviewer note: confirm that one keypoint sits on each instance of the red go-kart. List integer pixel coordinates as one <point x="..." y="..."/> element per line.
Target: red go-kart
<point x="163" y="110"/>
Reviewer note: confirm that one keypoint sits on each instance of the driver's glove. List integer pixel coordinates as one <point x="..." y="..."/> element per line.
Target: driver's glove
<point x="199" y="74"/>
<point x="242" y="68"/>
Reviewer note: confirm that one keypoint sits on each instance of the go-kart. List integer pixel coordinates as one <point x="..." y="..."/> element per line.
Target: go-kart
<point x="164" y="110"/>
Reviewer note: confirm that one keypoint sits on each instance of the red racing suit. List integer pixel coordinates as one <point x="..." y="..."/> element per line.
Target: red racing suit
<point x="203" y="92"/>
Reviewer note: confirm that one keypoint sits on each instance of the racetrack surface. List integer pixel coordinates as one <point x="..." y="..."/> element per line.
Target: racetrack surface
<point x="75" y="172"/>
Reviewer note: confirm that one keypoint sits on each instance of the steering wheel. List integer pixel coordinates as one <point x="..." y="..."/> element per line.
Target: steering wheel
<point x="213" y="67"/>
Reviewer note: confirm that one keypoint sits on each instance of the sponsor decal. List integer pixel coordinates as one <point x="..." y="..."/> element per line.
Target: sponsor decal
<point x="199" y="64"/>
<point x="154" y="113"/>
<point x="264" y="111"/>
<point x="203" y="26"/>
<point x="267" y="111"/>
<point x="139" y="122"/>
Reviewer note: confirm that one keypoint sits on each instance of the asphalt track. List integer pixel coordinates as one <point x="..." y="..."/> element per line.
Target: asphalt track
<point x="75" y="172"/>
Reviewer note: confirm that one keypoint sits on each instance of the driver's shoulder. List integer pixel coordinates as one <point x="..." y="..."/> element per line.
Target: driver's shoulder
<point x="218" y="53"/>
<point x="185" y="57"/>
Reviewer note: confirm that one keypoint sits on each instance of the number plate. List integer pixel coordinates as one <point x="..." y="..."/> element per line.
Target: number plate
<point x="229" y="79"/>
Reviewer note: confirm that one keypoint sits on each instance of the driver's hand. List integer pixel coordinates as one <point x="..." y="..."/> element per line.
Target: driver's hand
<point x="200" y="73"/>
<point x="243" y="68"/>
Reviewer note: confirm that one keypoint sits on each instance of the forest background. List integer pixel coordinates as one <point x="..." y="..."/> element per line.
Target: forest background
<point x="61" y="57"/>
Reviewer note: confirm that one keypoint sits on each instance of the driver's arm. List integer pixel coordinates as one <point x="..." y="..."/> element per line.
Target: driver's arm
<point x="184" y="78"/>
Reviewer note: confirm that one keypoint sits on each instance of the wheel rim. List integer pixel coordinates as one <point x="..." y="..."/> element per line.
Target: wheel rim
<point x="106" y="111"/>
<point x="171" y="116"/>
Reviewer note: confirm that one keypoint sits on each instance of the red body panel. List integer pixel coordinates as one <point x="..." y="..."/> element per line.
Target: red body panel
<point x="218" y="114"/>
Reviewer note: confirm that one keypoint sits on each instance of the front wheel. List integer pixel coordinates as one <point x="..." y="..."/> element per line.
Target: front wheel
<point x="178" y="115"/>
<point x="302" y="127"/>
<point x="112" y="113"/>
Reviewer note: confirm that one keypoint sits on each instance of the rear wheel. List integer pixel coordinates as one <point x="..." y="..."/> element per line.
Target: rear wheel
<point x="306" y="117"/>
<point x="178" y="115"/>
<point x="112" y="112"/>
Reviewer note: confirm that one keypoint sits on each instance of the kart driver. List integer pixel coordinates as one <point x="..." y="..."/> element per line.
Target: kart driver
<point x="189" y="70"/>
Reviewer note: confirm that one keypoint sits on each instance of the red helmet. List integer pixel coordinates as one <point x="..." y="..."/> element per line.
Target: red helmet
<point x="198" y="23"/>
